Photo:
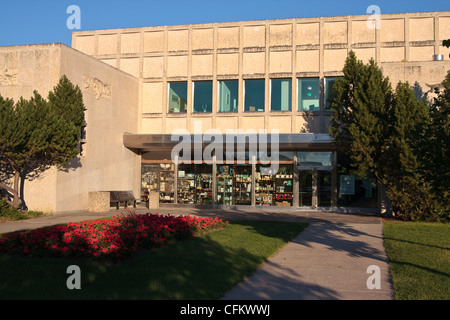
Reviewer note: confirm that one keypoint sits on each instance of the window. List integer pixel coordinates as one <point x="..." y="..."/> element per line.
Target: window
<point x="203" y="96"/>
<point x="255" y="92"/>
<point x="177" y="97"/>
<point x="330" y="93"/>
<point x="281" y="95"/>
<point x="315" y="159"/>
<point x="308" y="94"/>
<point x="228" y="96"/>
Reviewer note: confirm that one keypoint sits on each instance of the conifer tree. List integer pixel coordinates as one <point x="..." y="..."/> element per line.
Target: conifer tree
<point x="37" y="134"/>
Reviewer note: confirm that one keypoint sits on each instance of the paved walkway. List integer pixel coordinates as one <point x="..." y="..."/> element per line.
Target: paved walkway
<point x="327" y="261"/>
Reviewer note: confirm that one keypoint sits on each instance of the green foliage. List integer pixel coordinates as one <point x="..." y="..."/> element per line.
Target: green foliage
<point x="37" y="134"/>
<point x="382" y="131"/>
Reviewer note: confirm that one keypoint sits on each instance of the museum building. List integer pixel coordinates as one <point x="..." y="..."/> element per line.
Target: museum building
<point x="258" y="91"/>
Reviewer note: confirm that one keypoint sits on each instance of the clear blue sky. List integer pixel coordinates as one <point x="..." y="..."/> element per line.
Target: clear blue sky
<point x="44" y="21"/>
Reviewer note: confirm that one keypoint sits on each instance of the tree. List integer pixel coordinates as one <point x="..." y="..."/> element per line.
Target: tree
<point x="379" y="130"/>
<point x="37" y="134"/>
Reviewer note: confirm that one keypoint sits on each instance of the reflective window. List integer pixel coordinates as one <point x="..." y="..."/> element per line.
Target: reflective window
<point x="330" y="93"/>
<point x="308" y="94"/>
<point x="315" y="159"/>
<point x="281" y="95"/>
<point x="177" y="97"/>
<point x="254" y="95"/>
<point x="228" y="96"/>
<point x="203" y="96"/>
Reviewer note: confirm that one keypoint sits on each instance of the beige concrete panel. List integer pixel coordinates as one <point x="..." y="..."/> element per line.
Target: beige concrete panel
<point x="308" y="33"/>
<point x="228" y="37"/>
<point x="131" y="66"/>
<point x="281" y="61"/>
<point x="130" y="42"/>
<point x="421" y="53"/>
<point x="107" y="44"/>
<point x="334" y="60"/>
<point x="202" y="65"/>
<point x="307" y="124"/>
<point x="421" y="29"/>
<point x="335" y="32"/>
<point x="282" y="124"/>
<point x="201" y="123"/>
<point x="152" y="126"/>
<point x="361" y="33"/>
<point x="228" y="64"/>
<point x="153" y="67"/>
<point x="224" y="123"/>
<point x="177" y="66"/>
<point x="365" y="54"/>
<point x="392" y="30"/>
<point x="308" y="61"/>
<point x="254" y="62"/>
<point x="202" y="39"/>
<point x="86" y="44"/>
<point x="252" y="123"/>
<point x="154" y="41"/>
<point x="178" y="40"/>
<point x="111" y="62"/>
<point x="152" y="96"/>
<point x="445" y="52"/>
<point x="280" y="35"/>
<point x="254" y="36"/>
<point x="444" y="28"/>
<point x="392" y="54"/>
<point x="173" y="124"/>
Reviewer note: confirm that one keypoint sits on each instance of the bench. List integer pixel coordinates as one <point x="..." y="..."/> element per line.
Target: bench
<point x="118" y="197"/>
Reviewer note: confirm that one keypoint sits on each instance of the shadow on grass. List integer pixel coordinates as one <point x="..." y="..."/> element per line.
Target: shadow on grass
<point x="199" y="268"/>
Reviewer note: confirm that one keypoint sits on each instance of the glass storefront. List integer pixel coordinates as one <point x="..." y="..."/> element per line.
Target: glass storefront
<point x="310" y="180"/>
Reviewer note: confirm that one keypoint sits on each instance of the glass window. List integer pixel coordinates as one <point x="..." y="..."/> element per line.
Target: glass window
<point x="255" y="92"/>
<point x="203" y="96"/>
<point x="228" y="96"/>
<point x="177" y="97"/>
<point x="315" y="159"/>
<point x="330" y="93"/>
<point x="281" y="95"/>
<point x="308" y="94"/>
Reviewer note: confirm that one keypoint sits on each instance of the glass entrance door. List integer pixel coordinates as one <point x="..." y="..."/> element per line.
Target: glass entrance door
<point x="305" y="188"/>
<point x="324" y="188"/>
<point x="314" y="188"/>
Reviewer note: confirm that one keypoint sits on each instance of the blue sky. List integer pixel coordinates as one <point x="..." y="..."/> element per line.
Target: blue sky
<point x="44" y="21"/>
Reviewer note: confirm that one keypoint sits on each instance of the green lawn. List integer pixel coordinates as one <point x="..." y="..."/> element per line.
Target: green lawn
<point x="419" y="257"/>
<point x="199" y="268"/>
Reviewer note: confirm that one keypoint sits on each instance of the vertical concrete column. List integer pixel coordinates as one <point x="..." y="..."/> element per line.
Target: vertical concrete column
<point x="296" y="187"/>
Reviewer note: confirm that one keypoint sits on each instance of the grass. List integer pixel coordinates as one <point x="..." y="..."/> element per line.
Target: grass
<point x="205" y="267"/>
<point x="419" y="258"/>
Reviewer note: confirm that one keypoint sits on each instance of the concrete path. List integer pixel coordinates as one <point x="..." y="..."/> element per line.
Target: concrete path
<point x="329" y="260"/>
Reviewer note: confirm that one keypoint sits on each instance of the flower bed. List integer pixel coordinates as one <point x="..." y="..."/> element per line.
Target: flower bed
<point x="114" y="238"/>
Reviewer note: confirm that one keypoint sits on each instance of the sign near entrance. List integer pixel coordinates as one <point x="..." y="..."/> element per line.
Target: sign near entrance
<point x="347" y="184"/>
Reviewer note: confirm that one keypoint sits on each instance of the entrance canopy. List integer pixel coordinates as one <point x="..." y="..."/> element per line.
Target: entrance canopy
<point x="142" y="143"/>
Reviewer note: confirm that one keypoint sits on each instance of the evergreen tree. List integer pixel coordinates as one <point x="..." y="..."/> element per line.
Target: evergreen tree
<point x="37" y="134"/>
<point x="380" y="130"/>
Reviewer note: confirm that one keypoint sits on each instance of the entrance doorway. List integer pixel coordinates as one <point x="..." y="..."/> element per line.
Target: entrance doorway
<point x="314" y="188"/>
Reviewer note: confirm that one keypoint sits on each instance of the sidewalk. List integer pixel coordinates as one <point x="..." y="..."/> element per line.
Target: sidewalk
<point x="327" y="261"/>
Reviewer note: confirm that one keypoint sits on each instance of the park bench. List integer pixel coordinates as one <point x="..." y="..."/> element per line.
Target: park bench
<point x="125" y="197"/>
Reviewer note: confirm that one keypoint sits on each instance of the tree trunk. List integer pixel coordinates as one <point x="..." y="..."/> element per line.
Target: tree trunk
<point x="16" y="201"/>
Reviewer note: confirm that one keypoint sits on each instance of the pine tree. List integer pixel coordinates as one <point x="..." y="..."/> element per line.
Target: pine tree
<point x="37" y="134"/>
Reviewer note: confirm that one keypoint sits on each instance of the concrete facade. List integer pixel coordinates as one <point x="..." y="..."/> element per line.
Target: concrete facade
<point x="125" y="76"/>
<point x="110" y="97"/>
<point x="268" y="49"/>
